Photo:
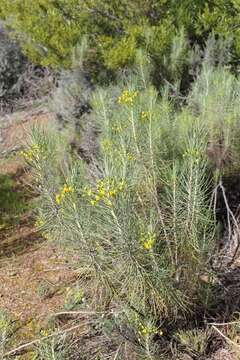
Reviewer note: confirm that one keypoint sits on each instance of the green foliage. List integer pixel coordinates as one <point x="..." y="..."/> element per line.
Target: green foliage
<point x="195" y="341"/>
<point x="149" y="194"/>
<point x="139" y="215"/>
<point x="53" y="348"/>
<point x="75" y="297"/>
<point x="118" y="54"/>
<point x="49" y="30"/>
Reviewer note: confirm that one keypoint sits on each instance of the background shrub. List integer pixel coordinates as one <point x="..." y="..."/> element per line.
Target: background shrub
<point x="48" y="31"/>
<point x="12" y="66"/>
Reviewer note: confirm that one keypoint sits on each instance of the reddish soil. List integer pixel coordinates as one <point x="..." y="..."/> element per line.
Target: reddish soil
<point x="22" y="277"/>
<point x="15" y="133"/>
<point x="34" y="274"/>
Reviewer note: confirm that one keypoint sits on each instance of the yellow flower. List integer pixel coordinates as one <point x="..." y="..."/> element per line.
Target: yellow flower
<point x="143" y="331"/>
<point x="46" y="236"/>
<point x="62" y="193"/>
<point x="130" y="156"/>
<point x="101" y="192"/>
<point x="127" y="97"/>
<point x="106" y="190"/>
<point x="112" y="193"/>
<point x="39" y="223"/>
<point x="147" y="245"/>
<point x="147" y="240"/>
<point x="148" y="329"/>
<point x="58" y="198"/>
<point x="144" y="115"/>
<point x="67" y="189"/>
<point x="44" y="333"/>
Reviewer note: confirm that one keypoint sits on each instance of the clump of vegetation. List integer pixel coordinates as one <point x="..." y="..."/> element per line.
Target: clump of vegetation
<point x="140" y="214"/>
<point x="148" y="107"/>
<point x="12" y="66"/>
<point x="70" y="98"/>
<point x="52" y="348"/>
<point x="48" y="31"/>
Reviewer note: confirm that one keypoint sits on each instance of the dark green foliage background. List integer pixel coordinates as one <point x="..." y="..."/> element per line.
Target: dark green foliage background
<point x="49" y="29"/>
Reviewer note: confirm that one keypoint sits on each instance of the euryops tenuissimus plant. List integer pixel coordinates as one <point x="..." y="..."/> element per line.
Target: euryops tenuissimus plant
<point x="140" y="214"/>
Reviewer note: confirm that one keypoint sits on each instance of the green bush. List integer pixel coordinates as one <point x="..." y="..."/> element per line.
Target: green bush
<point x="140" y="213"/>
<point x="49" y="30"/>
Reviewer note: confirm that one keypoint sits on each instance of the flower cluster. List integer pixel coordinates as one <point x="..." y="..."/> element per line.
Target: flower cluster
<point x="39" y="222"/>
<point x="33" y="153"/>
<point x="145" y="330"/>
<point x="144" y="115"/>
<point x="147" y="240"/>
<point x="62" y="193"/>
<point x="127" y="97"/>
<point x="106" y="190"/>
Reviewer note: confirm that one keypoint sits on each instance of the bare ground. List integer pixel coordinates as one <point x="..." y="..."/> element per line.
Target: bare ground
<point x="34" y="274"/>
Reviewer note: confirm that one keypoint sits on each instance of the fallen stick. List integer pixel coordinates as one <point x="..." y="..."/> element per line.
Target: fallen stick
<point x="75" y="313"/>
<point x="225" y="323"/>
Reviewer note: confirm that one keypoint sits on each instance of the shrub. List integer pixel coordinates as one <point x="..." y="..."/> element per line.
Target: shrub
<point x="49" y="31"/>
<point x="12" y="65"/>
<point x="70" y="98"/>
<point x="139" y="212"/>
